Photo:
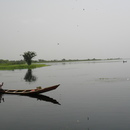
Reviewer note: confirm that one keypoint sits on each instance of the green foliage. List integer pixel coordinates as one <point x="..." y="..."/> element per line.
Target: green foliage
<point x="20" y="66"/>
<point x="28" y="57"/>
<point x="12" y="62"/>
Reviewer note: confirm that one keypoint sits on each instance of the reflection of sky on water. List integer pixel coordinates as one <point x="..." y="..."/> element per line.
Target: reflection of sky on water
<point x="92" y="96"/>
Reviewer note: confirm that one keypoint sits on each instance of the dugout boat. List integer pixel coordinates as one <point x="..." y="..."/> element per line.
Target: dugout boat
<point x="36" y="91"/>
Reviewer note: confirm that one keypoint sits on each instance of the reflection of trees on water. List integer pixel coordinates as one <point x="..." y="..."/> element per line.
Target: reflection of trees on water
<point x="1" y="98"/>
<point x="29" y="77"/>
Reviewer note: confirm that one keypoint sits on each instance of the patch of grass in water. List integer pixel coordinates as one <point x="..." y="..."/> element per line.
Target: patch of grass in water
<point x="117" y="79"/>
<point x="20" y="66"/>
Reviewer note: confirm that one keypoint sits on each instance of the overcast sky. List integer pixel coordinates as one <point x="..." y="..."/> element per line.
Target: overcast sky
<point x="70" y="29"/>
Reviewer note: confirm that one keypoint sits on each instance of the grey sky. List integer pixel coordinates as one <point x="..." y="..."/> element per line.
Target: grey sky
<point x="70" y="29"/>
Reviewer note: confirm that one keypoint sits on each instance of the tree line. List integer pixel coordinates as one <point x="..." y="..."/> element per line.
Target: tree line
<point x="28" y="56"/>
<point x="12" y="62"/>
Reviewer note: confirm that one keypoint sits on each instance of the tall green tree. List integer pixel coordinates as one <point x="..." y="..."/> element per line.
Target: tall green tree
<point x="28" y="56"/>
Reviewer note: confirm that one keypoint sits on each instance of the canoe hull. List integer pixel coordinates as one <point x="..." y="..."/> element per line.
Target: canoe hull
<point x="30" y="91"/>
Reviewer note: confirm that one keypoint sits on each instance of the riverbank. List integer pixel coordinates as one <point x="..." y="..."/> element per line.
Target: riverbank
<point x="20" y="66"/>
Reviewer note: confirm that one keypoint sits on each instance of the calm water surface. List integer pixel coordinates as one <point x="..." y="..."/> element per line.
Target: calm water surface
<point x="91" y="96"/>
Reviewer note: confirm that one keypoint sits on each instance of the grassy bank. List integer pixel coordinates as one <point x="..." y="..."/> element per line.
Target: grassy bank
<point x="20" y="66"/>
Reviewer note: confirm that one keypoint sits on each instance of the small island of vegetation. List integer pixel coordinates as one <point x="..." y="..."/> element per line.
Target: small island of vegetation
<point x="27" y="63"/>
<point x="10" y="66"/>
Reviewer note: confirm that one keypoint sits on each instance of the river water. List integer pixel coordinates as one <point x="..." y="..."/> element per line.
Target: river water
<point x="91" y="96"/>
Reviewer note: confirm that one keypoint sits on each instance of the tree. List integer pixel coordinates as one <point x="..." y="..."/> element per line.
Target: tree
<point x="28" y="57"/>
<point x="63" y="59"/>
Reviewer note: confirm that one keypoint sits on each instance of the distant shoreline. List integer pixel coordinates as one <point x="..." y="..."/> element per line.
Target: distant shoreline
<point x="73" y="60"/>
<point x="13" y="65"/>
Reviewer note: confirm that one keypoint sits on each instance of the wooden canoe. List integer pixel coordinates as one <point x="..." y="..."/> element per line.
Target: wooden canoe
<point x="38" y="90"/>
